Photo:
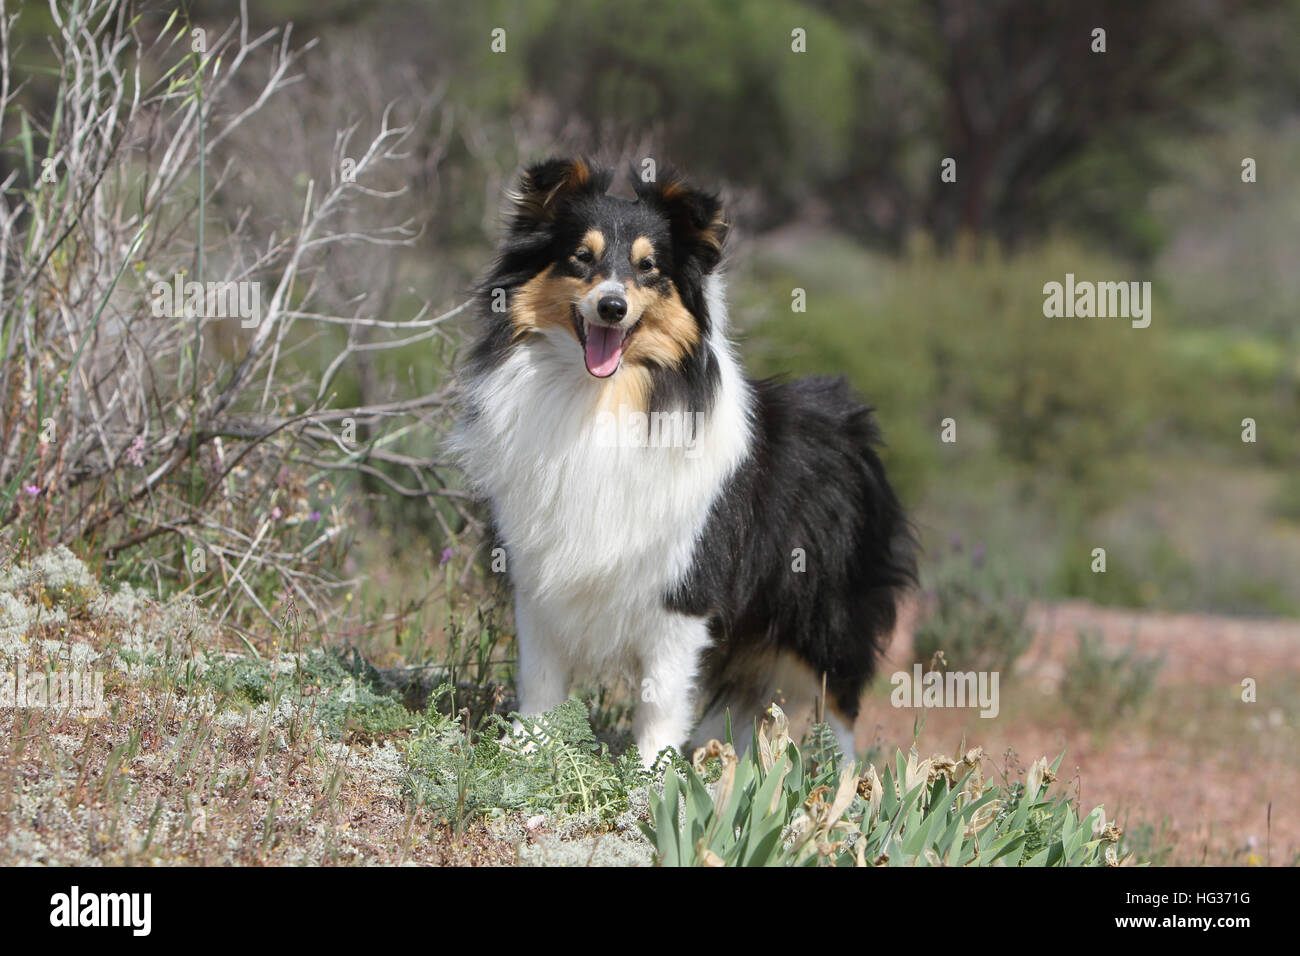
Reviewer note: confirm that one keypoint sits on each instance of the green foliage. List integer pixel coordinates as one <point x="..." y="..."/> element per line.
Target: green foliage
<point x="1062" y="405"/>
<point x="1253" y="373"/>
<point x="345" y="697"/>
<point x="688" y="73"/>
<point x="1157" y="574"/>
<point x="552" y="762"/>
<point x="1149" y="842"/>
<point x="1101" y="687"/>
<point x="1060" y="424"/>
<point x="243" y="680"/>
<point x="862" y="119"/>
<point x="473" y="667"/>
<point x="1286" y="502"/>
<point x="746" y="831"/>
<point x="772" y="809"/>
<point x="978" y="617"/>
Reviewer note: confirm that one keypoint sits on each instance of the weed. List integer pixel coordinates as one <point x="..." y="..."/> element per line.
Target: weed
<point x="553" y="762"/>
<point x="1101" y="687"/>
<point x="977" y="618"/>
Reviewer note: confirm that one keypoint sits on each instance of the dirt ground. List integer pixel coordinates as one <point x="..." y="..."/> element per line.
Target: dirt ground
<point x="166" y="773"/>
<point x="1196" y="775"/>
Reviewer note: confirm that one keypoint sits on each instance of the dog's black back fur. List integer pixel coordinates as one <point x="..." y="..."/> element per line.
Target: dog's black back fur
<point x="814" y="482"/>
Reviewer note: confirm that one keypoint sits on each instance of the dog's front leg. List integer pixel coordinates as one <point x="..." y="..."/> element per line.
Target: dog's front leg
<point x="666" y="707"/>
<point x="543" y="671"/>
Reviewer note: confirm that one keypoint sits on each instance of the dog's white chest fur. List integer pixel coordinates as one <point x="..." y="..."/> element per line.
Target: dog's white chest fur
<point x="598" y="524"/>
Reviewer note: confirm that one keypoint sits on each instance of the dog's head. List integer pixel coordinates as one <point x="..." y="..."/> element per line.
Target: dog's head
<point x="623" y="278"/>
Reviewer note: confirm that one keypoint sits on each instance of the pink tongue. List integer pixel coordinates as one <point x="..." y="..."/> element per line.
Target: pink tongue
<point x="604" y="349"/>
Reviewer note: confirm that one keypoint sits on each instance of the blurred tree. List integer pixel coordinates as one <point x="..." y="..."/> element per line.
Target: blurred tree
<point x="1046" y="132"/>
<point x="714" y="87"/>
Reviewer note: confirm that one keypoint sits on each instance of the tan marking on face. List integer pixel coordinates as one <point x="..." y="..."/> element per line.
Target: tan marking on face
<point x="546" y="301"/>
<point x="667" y="334"/>
<point x="668" y="331"/>
<point x="595" y="241"/>
<point x="643" y="248"/>
<point x="628" y="389"/>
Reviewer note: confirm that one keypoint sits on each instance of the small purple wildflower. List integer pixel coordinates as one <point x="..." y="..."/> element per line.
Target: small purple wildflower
<point x="32" y="490"/>
<point x="135" y="454"/>
<point x="446" y="555"/>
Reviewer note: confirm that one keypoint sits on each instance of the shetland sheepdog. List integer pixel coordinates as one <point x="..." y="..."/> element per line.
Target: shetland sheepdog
<point x="721" y="542"/>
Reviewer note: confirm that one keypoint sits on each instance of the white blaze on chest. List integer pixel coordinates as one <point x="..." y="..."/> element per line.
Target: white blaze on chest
<point x="600" y="506"/>
<point x="582" y="491"/>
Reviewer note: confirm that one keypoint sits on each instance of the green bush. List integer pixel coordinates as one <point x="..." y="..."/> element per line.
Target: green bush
<point x="1067" y="404"/>
<point x="1101" y="687"/>
<point x="1157" y="574"/>
<point x="1286" y="502"/>
<point x="977" y="618"/>
<point x="772" y="809"/>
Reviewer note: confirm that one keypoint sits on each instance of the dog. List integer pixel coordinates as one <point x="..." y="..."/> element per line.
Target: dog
<point x="721" y="542"/>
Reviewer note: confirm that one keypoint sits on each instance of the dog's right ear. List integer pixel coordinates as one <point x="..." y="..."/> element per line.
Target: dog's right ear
<point x="544" y="187"/>
<point x="695" y="216"/>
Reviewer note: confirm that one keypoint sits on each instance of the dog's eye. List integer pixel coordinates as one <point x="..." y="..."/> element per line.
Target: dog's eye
<point x="583" y="255"/>
<point x="646" y="265"/>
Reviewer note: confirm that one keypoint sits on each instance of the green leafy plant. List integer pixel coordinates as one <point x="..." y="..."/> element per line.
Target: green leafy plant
<point x="550" y="762"/>
<point x="769" y="809"/>
<point x="344" y="699"/>
<point x="1101" y="687"/>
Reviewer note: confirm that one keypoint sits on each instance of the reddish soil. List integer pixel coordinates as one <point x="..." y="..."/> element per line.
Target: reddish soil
<point x="1196" y="764"/>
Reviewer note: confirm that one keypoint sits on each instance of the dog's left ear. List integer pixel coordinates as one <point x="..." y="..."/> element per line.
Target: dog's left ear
<point x="695" y="217"/>
<point x="544" y="187"/>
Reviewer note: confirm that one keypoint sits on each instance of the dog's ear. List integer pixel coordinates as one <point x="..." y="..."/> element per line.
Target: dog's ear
<point x="695" y="217"/>
<point x="544" y="187"/>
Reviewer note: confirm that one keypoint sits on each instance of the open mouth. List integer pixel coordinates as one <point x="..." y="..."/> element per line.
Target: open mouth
<point x="602" y="345"/>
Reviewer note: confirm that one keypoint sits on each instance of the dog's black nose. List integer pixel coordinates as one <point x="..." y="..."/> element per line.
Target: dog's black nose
<point x="612" y="308"/>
